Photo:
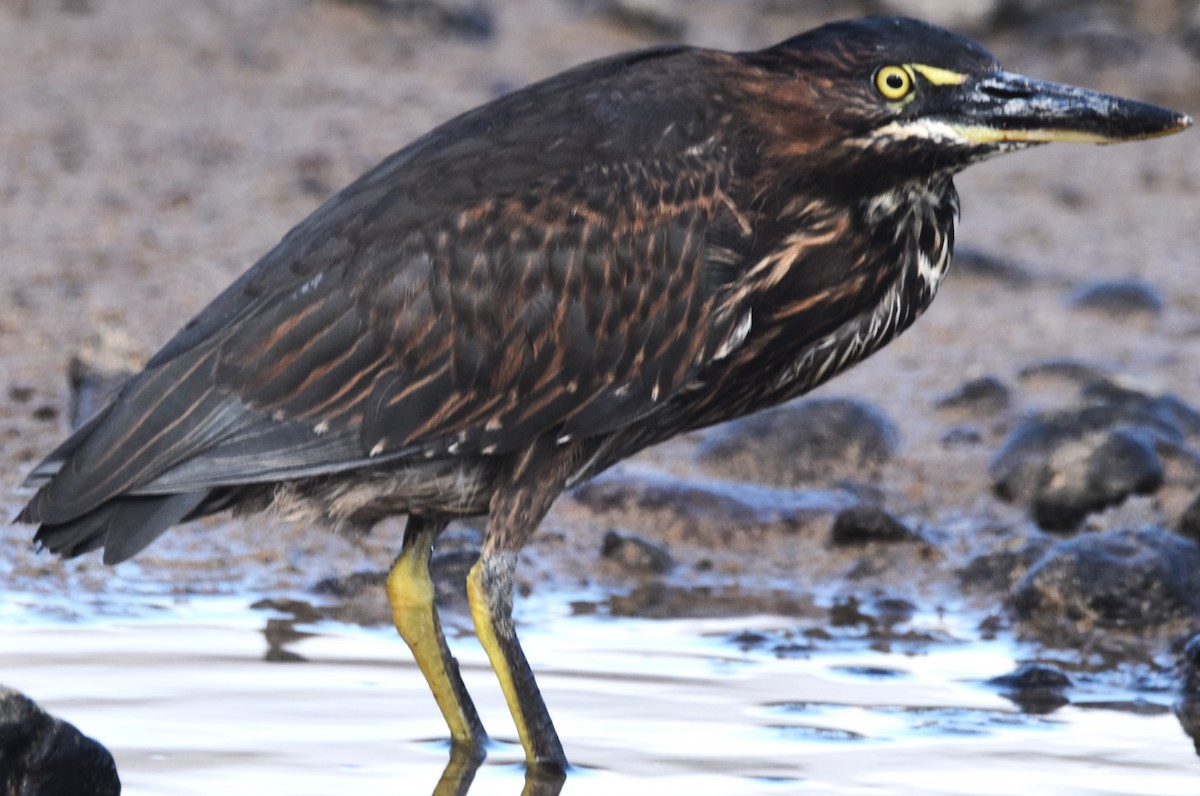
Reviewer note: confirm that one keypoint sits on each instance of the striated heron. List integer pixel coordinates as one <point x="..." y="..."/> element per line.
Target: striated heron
<point x="640" y="246"/>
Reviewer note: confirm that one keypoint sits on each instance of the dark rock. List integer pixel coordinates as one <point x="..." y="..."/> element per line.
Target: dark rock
<point x="1094" y="474"/>
<point x="985" y="395"/>
<point x="1035" y="688"/>
<point x="961" y="437"/>
<point x="1135" y="580"/>
<point x="653" y="18"/>
<point x="1189" y="32"/>
<point x="636" y="554"/>
<point x="1068" y="464"/>
<point x="860" y="525"/>
<point x="1187" y="710"/>
<point x="1189" y="668"/>
<point x="1166" y="412"/>
<point x="1033" y="675"/>
<point x="352" y="586"/>
<point x="20" y="393"/>
<point x="1067" y="369"/>
<point x="1189" y="522"/>
<point x="976" y="263"/>
<point x="698" y="511"/>
<point x="41" y="755"/>
<point x="1187" y="707"/>
<point x="996" y="572"/>
<point x="1118" y="299"/>
<point x="656" y="598"/>
<point x="468" y="20"/>
<point x="809" y="440"/>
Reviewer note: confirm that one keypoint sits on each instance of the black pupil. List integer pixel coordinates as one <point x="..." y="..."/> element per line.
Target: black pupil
<point x="894" y="81"/>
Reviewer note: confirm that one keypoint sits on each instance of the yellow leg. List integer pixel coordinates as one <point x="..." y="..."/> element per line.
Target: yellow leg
<point x="489" y="589"/>
<point x="410" y="594"/>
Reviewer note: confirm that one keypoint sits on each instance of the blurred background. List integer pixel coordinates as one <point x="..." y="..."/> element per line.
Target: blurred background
<point x="151" y="150"/>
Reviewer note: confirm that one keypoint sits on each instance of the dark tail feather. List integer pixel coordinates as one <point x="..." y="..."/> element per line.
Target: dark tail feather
<point x="124" y="526"/>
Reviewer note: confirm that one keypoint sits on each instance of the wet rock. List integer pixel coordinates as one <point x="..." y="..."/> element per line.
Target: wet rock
<point x="976" y="263"/>
<point x="635" y="554"/>
<point x="1035" y="688"/>
<point x="985" y="395"/>
<point x="1131" y="579"/>
<point x="658" y="599"/>
<point x="861" y="525"/>
<point x="41" y="755"/>
<point x="697" y="511"/>
<point x="349" y="587"/>
<point x="1093" y="474"/>
<point x="1189" y="668"/>
<point x="817" y="439"/>
<point x="1118" y="299"/>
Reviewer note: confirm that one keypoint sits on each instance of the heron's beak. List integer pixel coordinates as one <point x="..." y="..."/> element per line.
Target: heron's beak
<point x="999" y="107"/>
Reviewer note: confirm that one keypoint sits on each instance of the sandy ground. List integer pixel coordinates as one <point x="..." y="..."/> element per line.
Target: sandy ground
<point x="150" y="151"/>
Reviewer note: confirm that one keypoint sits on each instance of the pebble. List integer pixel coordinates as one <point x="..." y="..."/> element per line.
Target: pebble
<point x="979" y="264"/>
<point x="1118" y="299"/>
<point x="861" y="525"/>
<point x="41" y="755"/>
<point x="1036" y="688"/>
<point x="1129" y="579"/>
<point x="985" y="395"/>
<point x="469" y="20"/>
<point x="961" y="437"/>
<point x="635" y="553"/>
<point x="815" y="439"/>
<point x="1069" y="369"/>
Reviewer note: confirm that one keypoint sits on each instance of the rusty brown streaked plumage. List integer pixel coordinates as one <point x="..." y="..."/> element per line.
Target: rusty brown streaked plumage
<point x="638" y="247"/>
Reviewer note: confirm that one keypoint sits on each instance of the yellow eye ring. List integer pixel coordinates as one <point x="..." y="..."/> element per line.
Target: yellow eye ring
<point x="894" y="82"/>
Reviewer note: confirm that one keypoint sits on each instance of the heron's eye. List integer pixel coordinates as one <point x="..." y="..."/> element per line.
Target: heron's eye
<point x="894" y="82"/>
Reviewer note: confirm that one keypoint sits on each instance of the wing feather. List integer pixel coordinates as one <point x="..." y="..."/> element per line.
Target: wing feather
<point x="476" y="289"/>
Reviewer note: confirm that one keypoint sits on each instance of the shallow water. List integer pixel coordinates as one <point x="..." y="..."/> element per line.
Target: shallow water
<point x="188" y="705"/>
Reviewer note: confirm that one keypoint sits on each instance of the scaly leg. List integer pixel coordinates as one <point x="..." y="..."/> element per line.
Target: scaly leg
<point x="410" y="593"/>
<point x="490" y="590"/>
<point x="524" y="491"/>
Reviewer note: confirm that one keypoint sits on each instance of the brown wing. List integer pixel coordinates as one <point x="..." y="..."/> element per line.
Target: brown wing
<point x="511" y="274"/>
<point x="569" y="307"/>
